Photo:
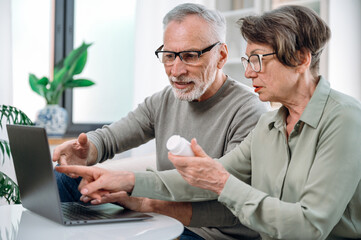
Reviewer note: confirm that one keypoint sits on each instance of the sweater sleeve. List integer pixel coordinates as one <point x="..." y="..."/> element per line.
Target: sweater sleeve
<point x="245" y="119"/>
<point x="212" y="214"/>
<point x="131" y="131"/>
<point x="168" y="185"/>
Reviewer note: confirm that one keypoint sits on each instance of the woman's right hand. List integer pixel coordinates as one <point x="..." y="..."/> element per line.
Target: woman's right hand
<point x="97" y="182"/>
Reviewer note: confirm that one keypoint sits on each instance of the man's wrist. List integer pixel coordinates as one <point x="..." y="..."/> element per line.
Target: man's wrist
<point x="149" y="205"/>
<point x="93" y="154"/>
<point x="181" y="211"/>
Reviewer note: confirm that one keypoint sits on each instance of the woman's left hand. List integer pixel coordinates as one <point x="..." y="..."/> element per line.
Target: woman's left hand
<point x="201" y="171"/>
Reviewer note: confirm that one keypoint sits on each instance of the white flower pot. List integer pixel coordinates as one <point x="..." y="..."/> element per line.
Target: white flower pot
<point x="54" y="119"/>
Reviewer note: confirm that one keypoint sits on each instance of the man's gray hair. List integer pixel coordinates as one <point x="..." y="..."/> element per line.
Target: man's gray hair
<point x="214" y="18"/>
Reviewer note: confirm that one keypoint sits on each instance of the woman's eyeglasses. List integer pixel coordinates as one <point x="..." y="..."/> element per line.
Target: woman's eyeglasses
<point x="255" y="60"/>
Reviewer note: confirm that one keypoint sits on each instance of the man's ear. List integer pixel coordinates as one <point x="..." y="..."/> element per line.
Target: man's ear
<point x="223" y="56"/>
<point x="305" y="59"/>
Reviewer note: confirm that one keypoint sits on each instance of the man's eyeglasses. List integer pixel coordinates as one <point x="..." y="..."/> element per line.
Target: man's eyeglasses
<point x="255" y="60"/>
<point x="188" y="57"/>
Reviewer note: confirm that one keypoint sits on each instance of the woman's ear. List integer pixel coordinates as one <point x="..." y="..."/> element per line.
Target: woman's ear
<point x="223" y="56"/>
<point x="305" y="58"/>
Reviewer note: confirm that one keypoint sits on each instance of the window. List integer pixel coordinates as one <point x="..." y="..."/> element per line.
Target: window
<point x="30" y="33"/>
<point x="110" y="26"/>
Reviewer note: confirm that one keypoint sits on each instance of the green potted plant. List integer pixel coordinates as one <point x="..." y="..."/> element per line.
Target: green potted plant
<point x="53" y="117"/>
<point x="11" y="115"/>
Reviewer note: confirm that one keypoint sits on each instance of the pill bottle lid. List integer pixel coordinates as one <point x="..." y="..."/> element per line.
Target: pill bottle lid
<point x="173" y="142"/>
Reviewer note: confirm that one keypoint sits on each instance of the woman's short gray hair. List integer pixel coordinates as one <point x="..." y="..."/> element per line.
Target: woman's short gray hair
<point x="289" y="29"/>
<point x="215" y="19"/>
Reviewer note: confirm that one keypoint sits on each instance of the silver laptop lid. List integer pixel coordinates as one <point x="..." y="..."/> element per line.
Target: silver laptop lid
<point x="34" y="171"/>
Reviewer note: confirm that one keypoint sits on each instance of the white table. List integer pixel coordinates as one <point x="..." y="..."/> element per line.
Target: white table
<point x="17" y="222"/>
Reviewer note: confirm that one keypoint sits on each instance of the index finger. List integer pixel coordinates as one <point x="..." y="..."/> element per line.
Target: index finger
<point x="83" y="171"/>
<point x="93" y="189"/>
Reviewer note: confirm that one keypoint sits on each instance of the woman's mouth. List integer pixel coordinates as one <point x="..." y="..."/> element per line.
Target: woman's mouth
<point x="257" y="88"/>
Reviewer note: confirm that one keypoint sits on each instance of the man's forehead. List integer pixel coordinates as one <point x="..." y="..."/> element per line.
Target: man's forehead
<point x="188" y="45"/>
<point x="186" y="35"/>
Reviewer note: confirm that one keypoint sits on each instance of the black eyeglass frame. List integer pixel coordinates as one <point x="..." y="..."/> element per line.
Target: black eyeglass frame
<point x="260" y="56"/>
<point x="178" y="54"/>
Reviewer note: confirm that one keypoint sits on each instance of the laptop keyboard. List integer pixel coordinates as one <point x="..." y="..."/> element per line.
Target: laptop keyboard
<point x="75" y="211"/>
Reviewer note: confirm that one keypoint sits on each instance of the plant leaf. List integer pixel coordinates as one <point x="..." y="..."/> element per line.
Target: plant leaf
<point x="8" y="189"/>
<point x="43" y="81"/>
<point x="34" y="84"/>
<point x="57" y="85"/>
<point x="58" y="66"/>
<point x="75" y="54"/>
<point x="2" y="148"/>
<point x="79" y="83"/>
<point x="64" y="71"/>
<point x="80" y="63"/>
<point x="5" y="148"/>
<point x="14" y="115"/>
<point x="59" y="77"/>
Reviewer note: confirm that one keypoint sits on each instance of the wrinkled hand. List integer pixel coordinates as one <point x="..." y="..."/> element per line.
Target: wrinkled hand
<point x="138" y="204"/>
<point x="182" y="211"/>
<point x="75" y="152"/>
<point x="98" y="182"/>
<point x="201" y="171"/>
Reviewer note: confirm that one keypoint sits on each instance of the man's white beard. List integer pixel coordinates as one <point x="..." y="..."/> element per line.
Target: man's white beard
<point x="199" y="88"/>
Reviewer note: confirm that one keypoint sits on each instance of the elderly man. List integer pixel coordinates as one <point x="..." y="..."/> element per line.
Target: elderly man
<point x="201" y="102"/>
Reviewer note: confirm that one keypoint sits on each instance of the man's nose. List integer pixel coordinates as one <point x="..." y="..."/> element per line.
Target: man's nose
<point x="178" y="67"/>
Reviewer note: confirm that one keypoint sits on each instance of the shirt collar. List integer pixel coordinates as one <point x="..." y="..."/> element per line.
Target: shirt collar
<point x="313" y="111"/>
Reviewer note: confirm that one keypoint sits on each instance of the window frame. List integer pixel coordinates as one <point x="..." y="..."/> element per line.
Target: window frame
<point x="63" y="44"/>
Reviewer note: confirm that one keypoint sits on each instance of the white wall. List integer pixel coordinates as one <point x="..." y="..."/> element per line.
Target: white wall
<point x="30" y="51"/>
<point x="5" y="77"/>
<point x="5" y="53"/>
<point x="344" y="49"/>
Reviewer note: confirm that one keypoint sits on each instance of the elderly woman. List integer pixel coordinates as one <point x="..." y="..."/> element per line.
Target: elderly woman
<point x="298" y="173"/>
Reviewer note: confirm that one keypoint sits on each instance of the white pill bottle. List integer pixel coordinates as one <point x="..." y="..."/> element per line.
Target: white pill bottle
<point x="178" y="145"/>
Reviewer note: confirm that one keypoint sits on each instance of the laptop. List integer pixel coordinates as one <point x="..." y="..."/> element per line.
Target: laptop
<point x="38" y="188"/>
